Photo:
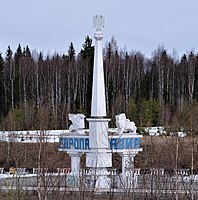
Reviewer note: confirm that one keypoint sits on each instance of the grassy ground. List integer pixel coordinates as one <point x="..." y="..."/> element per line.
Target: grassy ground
<point x="158" y="152"/>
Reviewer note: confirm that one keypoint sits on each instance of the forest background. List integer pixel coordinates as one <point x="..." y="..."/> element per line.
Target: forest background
<point x="158" y="91"/>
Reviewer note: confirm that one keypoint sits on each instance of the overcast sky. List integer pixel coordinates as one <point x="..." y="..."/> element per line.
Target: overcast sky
<point x="142" y="25"/>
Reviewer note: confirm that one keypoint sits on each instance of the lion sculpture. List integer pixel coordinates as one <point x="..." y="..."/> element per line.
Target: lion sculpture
<point x="78" y="123"/>
<point x="125" y="125"/>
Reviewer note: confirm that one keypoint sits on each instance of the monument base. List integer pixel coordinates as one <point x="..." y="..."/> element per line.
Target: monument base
<point x="99" y="143"/>
<point x="98" y="159"/>
<point x="98" y="178"/>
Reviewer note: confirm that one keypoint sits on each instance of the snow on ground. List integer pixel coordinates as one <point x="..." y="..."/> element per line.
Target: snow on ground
<point x="52" y="136"/>
<point x="157" y="131"/>
<point x="32" y="136"/>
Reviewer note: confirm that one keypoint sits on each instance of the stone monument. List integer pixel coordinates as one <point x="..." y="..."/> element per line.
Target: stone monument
<point x="98" y="145"/>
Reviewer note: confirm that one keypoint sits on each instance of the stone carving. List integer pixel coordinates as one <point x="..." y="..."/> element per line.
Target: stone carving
<point x="121" y="122"/>
<point x="130" y="126"/>
<point x="78" y="123"/>
<point x="103" y="182"/>
<point x="98" y="22"/>
<point x="125" y="125"/>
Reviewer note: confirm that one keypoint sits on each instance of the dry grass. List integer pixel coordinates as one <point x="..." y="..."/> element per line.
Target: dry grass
<point x="158" y="152"/>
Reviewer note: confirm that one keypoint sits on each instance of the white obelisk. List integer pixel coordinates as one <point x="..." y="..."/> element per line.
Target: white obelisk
<point x="98" y="104"/>
<point x="98" y="158"/>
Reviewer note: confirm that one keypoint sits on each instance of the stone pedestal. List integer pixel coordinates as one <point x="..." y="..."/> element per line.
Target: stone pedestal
<point x="128" y="176"/>
<point x="99" y="144"/>
<point x="127" y="162"/>
<point x="73" y="177"/>
<point x="103" y="181"/>
<point x="98" y="178"/>
<point x="75" y="162"/>
<point x="99" y="158"/>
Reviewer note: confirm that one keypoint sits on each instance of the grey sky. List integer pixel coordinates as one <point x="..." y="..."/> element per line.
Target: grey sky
<point x="50" y="25"/>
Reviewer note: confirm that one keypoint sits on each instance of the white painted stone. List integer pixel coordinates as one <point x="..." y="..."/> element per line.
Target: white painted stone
<point x="78" y="123"/>
<point x="99" y="143"/>
<point x="98" y="127"/>
<point x="98" y="106"/>
<point x="75" y="162"/>
<point x="125" y="125"/>
<point x="103" y="182"/>
<point x="127" y="162"/>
